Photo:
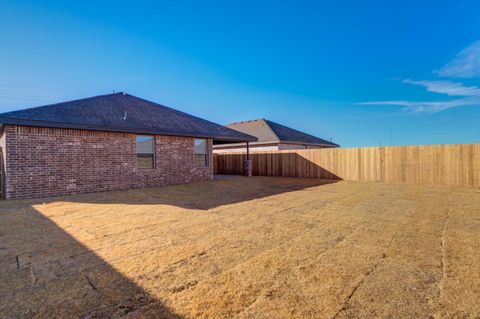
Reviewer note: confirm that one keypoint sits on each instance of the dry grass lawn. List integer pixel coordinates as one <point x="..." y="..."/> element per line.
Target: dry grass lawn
<point x="245" y="248"/>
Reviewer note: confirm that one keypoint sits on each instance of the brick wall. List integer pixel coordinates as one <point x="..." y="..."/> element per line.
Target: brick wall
<point x="41" y="162"/>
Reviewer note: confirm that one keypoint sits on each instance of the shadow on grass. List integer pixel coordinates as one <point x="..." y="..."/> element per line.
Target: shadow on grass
<point x="202" y="195"/>
<point x="46" y="273"/>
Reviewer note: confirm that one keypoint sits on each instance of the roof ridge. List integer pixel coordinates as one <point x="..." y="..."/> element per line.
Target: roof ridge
<point x="178" y="111"/>
<point x="271" y="129"/>
<point x="247" y="121"/>
<point x="300" y="132"/>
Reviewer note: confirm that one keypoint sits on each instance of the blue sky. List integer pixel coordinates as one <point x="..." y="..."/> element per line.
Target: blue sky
<point x="348" y="70"/>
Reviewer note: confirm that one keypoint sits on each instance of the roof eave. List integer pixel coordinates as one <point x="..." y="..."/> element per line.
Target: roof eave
<point x="252" y="144"/>
<point x="48" y="124"/>
<point x="329" y="144"/>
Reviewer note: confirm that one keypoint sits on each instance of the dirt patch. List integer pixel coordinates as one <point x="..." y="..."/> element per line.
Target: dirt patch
<point x="245" y="248"/>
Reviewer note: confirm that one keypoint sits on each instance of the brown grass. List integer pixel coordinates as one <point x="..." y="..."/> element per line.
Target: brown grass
<point x="245" y="248"/>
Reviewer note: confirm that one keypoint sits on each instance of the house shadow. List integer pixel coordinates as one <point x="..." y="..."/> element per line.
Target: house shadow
<point x="199" y="195"/>
<point x="289" y="165"/>
<point x="285" y="164"/>
<point x="46" y="273"/>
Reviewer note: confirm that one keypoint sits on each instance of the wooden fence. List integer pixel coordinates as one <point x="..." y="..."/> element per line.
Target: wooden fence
<point x="428" y="164"/>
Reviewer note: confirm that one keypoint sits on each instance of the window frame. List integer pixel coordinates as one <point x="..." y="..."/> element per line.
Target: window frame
<point x="142" y="153"/>
<point x="206" y="154"/>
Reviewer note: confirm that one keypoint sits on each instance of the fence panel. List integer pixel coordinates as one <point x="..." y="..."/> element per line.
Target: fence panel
<point x="457" y="164"/>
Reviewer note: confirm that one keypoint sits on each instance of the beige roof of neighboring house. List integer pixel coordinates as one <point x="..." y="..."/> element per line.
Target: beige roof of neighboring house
<point x="267" y="131"/>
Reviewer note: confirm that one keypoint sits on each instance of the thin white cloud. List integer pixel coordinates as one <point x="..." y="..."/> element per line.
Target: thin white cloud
<point x="427" y="106"/>
<point x="470" y="96"/>
<point x="447" y="87"/>
<point x="465" y="65"/>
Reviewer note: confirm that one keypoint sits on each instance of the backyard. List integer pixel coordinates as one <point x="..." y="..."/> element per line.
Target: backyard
<point x="259" y="247"/>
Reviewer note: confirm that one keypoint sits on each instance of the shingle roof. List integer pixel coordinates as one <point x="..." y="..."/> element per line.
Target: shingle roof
<point x="121" y="112"/>
<point x="268" y="131"/>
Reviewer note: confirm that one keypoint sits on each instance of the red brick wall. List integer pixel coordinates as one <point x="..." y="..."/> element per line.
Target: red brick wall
<point x="43" y="162"/>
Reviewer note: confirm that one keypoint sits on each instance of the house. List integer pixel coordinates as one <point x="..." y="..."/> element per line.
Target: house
<point x="272" y="137"/>
<point x="102" y="143"/>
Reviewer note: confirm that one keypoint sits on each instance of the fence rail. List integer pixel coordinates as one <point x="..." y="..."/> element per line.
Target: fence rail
<point x="457" y="164"/>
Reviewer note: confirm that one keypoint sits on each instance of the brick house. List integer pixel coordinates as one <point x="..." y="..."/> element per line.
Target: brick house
<point x="103" y="143"/>
<point x="272" y="137"/>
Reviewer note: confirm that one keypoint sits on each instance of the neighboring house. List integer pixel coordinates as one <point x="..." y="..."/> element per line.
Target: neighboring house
<point x="102" y="143"/>
<point x="272" y="137"/>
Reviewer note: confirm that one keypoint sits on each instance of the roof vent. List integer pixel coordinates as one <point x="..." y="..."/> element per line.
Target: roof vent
<point x="125" y="115"/>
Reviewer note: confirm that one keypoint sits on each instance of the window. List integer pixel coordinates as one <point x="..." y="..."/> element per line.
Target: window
<point x="145" y="146"/>
<point x="201" y="153"/>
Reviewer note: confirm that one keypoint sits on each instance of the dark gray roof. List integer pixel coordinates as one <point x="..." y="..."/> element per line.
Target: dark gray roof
<point x="121" y="112"/>
<point x="268" y="131"/>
